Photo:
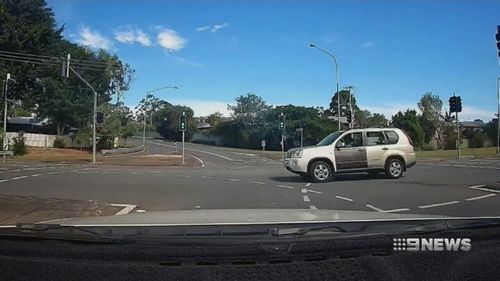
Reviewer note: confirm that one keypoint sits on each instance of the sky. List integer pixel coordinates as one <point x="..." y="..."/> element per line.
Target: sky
<point x="392" y="52"/>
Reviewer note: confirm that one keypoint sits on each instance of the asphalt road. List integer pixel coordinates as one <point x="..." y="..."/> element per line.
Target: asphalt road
<point x="231" y="180"/>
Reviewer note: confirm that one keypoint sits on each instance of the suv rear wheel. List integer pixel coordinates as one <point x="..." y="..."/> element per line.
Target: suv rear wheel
<point x="394" y="168"/>
<point x="320" y="171"/>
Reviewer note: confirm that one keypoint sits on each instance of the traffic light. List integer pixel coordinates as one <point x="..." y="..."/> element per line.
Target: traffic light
<point x="458" y="104"/>
<point x="282" y="122"/>
<point x="348" y="114"/>
<point x="453" y="104"/>
<point x="100" y="117"/>
<point x="497" y="36"/>
<point x="183" y="122"/>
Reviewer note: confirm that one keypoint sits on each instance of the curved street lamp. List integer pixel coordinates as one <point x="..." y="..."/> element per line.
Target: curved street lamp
<point x="147" y="93"/>
<point x="337" y="78"/>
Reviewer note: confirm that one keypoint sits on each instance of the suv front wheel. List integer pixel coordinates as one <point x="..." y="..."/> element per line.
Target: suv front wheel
<point x="320" y="171"/>
<point x="394" y="168"/>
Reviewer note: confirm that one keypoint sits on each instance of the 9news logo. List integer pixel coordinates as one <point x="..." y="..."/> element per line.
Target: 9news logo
<point x="431" y="244"/>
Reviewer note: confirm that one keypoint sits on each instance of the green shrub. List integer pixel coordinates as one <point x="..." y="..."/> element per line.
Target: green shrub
<point x="104" y="142"/>
<point x="19" y="146"/>
<point x="59" y="143"/>
<point x="477" y="140"/>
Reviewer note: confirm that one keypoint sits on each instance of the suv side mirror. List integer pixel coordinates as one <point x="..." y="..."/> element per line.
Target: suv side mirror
<point x="340" y="144"/>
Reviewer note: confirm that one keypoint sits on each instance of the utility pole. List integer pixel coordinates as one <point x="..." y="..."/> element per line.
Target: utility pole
<point x="94" y="117"/>
<point x="282" y="129"/>
<point x="182" y="128"/>
<point x="498" y="115"/>
<point x="350" y="108"/>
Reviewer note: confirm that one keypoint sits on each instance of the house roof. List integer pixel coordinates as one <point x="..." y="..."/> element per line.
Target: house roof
<point x="472" y="124"/>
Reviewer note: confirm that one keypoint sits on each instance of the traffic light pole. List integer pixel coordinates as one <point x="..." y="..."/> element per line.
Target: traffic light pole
<point x="498" y="115"/>
<point x="458" y="136"/>
<point x="183" y="136"/>
<point x="282" y="147"/>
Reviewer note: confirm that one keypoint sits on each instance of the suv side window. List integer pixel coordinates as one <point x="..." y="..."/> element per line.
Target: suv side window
<point x="353" y="140"/>
<point x="392" y="137"/>
<point x="375" y="138"/>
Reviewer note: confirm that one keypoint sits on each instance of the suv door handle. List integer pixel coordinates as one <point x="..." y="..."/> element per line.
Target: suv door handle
<point x="385" y="148"/>
<point x="361" y="149"/>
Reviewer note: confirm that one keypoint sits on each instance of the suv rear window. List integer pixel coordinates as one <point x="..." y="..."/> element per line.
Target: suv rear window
<point x="375" y="138"/>
<point x="392" y="137"/>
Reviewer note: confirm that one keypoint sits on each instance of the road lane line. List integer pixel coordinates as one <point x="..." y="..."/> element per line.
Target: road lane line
<point x="286" y="186"/>
<point x="127" y="208"/>
<point x="201" y="161"/>
<point x="397" y="210"/>
<point x="236" y="180"/>
<point x="483" y="188"/>
<point x="438" y="204"/>
<point x="306" y="198"/>
<point x="374" y="208"/>
<point x="257" y="182"/>
<point x="16" y="170"/>
<point x="4" y="180"/>
<point x="304" y="190"/>
<point x="344" y="198"/>
<point x="207" y="177"/>
<point x="308" y="184"/>
<point x="312" y="207"/>
<point x="314" y="191"/>
<point x="36" y="175"/>
<point x="18" y="178"/>
<point x="480" y="197"/>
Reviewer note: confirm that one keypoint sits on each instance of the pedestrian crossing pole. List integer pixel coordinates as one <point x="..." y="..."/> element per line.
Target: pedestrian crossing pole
<point x="182" y="128"/>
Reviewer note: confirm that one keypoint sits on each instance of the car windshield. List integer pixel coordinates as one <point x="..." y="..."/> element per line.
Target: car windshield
<point x="226" y="111"/>
<point x="329" y="139"/>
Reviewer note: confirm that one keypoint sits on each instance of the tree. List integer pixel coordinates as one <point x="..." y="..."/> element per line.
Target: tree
<point x="344" y="102"/>
<point x="57" y="103"/>
<point x="491" y="129"/>
<point x="250" y="109"/>
<point x="167" y="119"/>
<point x="431" y="107"/>
<point x="214" y="118"/>
<point x="365" y="119"/>
<point x="409" y="122"/>
<point x="128" y="131"/>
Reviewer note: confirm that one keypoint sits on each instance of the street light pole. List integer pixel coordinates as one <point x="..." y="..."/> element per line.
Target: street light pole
<point x="5" y="142"/>
<point x="498" y="114"/>
<point x="145" y="117"/>
<point x="337" y="78"/>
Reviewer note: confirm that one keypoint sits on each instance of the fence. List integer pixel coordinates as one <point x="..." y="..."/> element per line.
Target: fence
<point x="39" y="140"/>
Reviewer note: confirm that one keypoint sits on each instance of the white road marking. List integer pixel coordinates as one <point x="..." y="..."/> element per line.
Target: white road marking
<point x="314" y="191"/>
<point x="461" y="166"/>
<point x="127" y="208"/>
<point x="32" y="168"/>
<point x="490" y="167"/>
<point x="257" y="182"/>
<point x="308" y="184"/>
<point x="374" y="208"/>
<point x="312" y="207"/>
<point x="285" y="186"/>
<point x="483" y="188"/>
<point x="135" y="173"/>
<point x="344" y="198"/>
<point x="201" y="161"/>
<point x="236" y="180"/>
<point x="438" y="204"/>
<point x="18" y="178"/>
<point x="306" y="198"/>
<point x="397" y="210"/>
<point x="207" y="177"/>
<point x="16" y="170"/>
<point x="206" y="152"/>
<point x="197" y="207"/>
<point x="36" y="175"/>
<point x="304" y="190"/>
<point x="4" y="180"/>
<point x="480" y="197"/>
<point x="52" y="173"/>
<point x="140" y="211"/>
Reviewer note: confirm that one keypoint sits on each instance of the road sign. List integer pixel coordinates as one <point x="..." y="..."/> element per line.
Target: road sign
<point x="263" y="143"/>
<point x="343" y="119"/>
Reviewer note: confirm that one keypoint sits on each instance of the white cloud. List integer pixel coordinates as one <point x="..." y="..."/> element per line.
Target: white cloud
<point x="94" y="39"/>
<point x="368" y="44"/>
<point x="131" y="36"/>
<point x="469" y="113"/>
<point x="203" y="28"/>
<point x="170" y="40"/>
<point x="213" y="28"/>
<point x="203" y="107"/>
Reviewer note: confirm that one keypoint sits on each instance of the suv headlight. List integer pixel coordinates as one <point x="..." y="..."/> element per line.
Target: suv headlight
<point x="296" y="153"/>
